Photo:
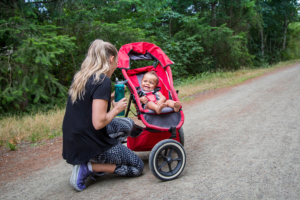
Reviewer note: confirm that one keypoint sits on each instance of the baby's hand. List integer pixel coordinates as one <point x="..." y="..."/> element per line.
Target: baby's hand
<point x="143" y="100"/>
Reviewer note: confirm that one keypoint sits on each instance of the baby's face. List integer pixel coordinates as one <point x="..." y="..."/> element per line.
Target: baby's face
<point x="149" y="82"/>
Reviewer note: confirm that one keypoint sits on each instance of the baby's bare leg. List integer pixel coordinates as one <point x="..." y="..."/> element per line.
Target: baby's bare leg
<point x="157" y="108"/>
<point x="174" y="104"/>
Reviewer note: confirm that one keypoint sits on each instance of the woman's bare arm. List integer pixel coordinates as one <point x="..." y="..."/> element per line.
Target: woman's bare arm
<point x="100" y="117"/>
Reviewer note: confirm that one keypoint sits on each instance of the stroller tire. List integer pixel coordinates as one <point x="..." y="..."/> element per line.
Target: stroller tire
<point x="181" y="136"/>
<point x="167" y="160"/>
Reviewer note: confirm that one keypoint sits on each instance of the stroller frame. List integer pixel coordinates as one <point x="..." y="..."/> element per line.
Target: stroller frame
<point x="163" y="134"/>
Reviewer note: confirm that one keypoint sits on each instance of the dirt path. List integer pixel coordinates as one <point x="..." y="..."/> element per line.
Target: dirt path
<point x="241" y="143"/>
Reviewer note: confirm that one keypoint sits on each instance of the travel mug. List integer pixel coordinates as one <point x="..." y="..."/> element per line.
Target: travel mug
<point x="120" y="93"/>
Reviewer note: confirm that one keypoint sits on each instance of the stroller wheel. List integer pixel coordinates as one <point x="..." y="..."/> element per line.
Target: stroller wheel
<point x="167" y="160"/>
<point x="181" y="136"/>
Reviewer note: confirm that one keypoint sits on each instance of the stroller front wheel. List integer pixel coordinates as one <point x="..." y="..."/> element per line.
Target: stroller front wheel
<point x="167" y="160"/>
<point x="181" y="136"/>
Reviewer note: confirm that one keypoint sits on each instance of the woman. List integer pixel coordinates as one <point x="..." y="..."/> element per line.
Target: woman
<point x="91" y="134"/>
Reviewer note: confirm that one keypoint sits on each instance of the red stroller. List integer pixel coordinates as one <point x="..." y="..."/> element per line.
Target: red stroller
<point x="162" y="134"/>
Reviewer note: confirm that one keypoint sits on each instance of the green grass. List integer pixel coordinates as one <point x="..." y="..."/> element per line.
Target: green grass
<point x="37" y="144"/>
<point x="12" y="146"/>
<point x="54" y="134"/>
<point x="41" y="125"/>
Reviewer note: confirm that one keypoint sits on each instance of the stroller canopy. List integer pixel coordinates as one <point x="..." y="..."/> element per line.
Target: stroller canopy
<point x="141" y="51"/>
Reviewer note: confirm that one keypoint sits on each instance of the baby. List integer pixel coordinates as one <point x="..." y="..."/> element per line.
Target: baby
<point x="149" y="84"/>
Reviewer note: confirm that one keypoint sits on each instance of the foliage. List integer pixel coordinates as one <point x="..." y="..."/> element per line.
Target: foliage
<point x="43" y="43"/>
<point x="29" y="55"/>
<point x="267" y="40"/>
<point x="292" y="50"/>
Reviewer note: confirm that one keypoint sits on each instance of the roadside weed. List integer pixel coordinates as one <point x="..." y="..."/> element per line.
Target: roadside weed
<point x="37" y="144"/>
<point x="33" y="127"/>
<point x="186" y="99"/>
<point x="34" y="137"/>
<point x="12" y="146"/>
<point x="54" y="134"/>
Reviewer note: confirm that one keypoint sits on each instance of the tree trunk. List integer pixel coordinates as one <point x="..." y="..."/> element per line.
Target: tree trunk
<point x="230" y="13"/>
<point x="262" y="41"/>
<point x="214" y="24"/>
<point x="284" y="33"/>
<point x="213" y="10"/>
<point x="270" y="47"/>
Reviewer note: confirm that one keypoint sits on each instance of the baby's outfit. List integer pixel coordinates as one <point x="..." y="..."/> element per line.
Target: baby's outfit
<point x="144" y="93"/>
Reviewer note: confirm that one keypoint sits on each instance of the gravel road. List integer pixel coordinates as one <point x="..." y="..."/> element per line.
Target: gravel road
<point x="241" y="144"/>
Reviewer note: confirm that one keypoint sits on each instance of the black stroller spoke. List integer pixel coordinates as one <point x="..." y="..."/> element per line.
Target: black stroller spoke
<point x="159" y="168"/>
<point x="170" y="153"/>
<point x="166" y="152"/>
<point x="177" y="159"/>
<point x="164" y="156"/>
<point x="170" y="168"/>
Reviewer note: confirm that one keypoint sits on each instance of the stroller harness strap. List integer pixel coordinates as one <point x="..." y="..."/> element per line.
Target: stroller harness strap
<point x="151" y="97"/>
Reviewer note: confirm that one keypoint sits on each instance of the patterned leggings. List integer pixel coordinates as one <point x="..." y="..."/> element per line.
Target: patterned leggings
<point x="127" y="162"/>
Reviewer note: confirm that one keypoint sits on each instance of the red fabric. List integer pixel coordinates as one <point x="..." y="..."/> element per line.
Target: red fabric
<point x="173" y="91"/>
<point x="134" y="80"/>
<point x="151" y="97"/>
<point x="143" y="48"/>
<point x="163" y="81"/>
<point x="147" y="140"/>
<point x="140" y="70"/>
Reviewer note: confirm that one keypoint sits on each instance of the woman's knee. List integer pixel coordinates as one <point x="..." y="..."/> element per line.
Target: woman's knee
<point x="130" y="121"/>
<point x="138" y="169"/>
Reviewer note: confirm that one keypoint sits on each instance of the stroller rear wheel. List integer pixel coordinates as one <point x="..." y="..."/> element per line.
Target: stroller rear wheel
<point x="167" y="160"/>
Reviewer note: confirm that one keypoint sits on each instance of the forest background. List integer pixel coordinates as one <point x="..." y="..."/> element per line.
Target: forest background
<point x="44" y="42"/>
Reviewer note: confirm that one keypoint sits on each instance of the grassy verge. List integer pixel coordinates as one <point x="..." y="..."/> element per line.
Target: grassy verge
<point x="30" y="128"/>
<point x="47" y="125"/>
<point x="206" y="81"/>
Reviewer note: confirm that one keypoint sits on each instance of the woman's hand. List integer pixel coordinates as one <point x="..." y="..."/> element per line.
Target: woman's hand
<point x="143" y="100"/>
<point x="120" y="105"/>
<point x="100" y="116"/>
<point x="112" y="96"/>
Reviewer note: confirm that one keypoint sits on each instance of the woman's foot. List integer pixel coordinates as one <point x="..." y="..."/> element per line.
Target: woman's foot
<point x="177" y="106"/>
<point x="159" y="107"/>
<point x="79" y="175"/>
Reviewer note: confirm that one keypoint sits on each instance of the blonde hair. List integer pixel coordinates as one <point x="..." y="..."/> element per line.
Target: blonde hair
<point x="97" y="63"/>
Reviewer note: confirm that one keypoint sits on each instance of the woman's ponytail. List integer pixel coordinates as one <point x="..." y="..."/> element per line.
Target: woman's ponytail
<point x="95" y="63"/>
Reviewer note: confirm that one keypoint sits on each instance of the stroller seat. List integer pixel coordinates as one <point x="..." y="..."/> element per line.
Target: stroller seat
<point x="136" y="76"/>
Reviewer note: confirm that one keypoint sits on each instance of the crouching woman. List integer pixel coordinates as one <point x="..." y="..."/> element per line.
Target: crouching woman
<point x="91" y="134"/>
